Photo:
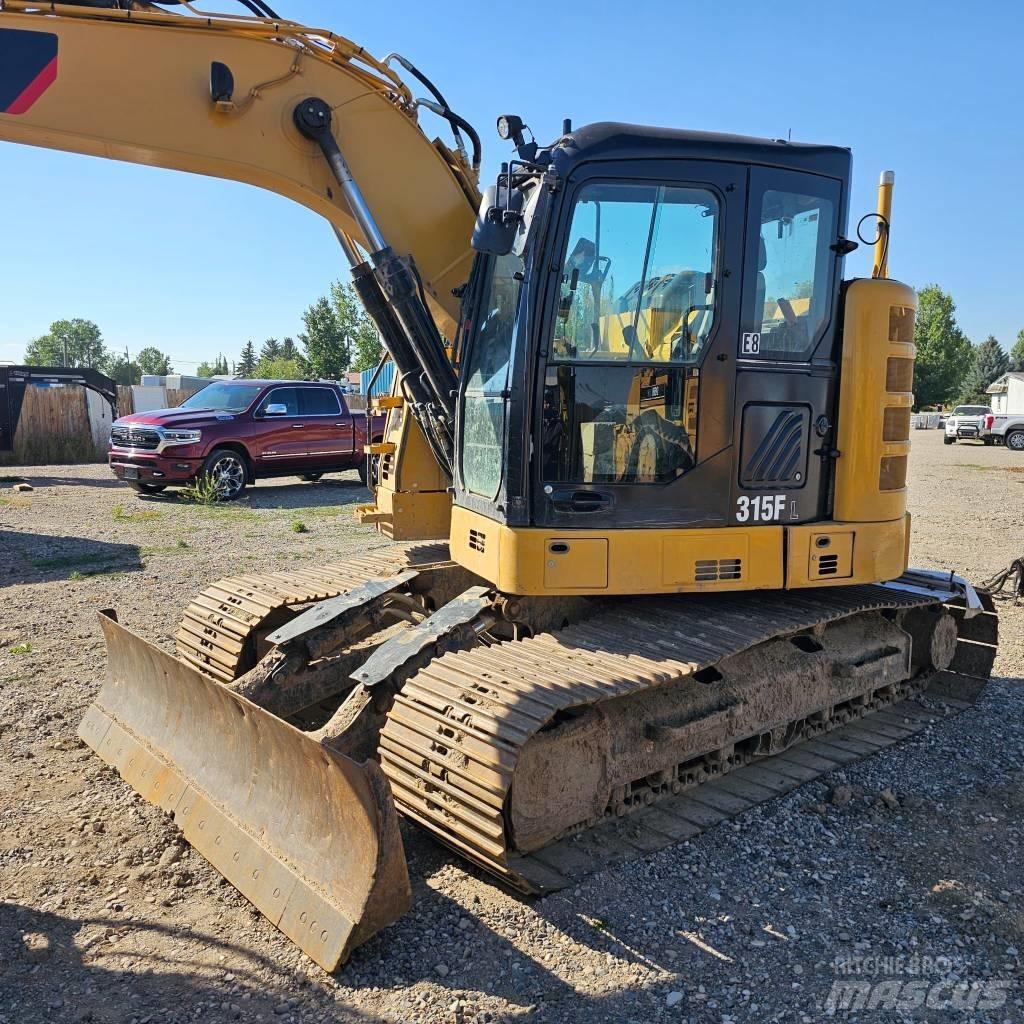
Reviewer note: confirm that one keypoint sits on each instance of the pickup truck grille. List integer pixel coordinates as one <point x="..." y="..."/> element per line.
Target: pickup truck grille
<point x="135" y="437"/>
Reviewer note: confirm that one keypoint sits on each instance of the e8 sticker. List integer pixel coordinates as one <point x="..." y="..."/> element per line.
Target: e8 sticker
<point x="751" y="344"/>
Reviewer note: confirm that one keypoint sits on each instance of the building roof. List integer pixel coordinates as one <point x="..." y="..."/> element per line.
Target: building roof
<point x="1001" y="384"/>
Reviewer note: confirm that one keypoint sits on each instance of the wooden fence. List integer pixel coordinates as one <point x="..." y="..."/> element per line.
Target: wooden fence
<point x="55" y="428"/>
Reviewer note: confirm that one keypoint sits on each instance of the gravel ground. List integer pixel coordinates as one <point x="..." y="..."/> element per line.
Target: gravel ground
<point x="906" y="867"/>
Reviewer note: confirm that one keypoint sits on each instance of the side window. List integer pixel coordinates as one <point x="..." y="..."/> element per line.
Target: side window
<point x="794" y="273"/>
<point x="283" y="396"/>
<point x="486" y="372"/>
<point x="318" y="402"/>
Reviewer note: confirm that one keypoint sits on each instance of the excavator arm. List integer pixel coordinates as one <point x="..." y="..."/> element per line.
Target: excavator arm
<point x="217" y="96"/>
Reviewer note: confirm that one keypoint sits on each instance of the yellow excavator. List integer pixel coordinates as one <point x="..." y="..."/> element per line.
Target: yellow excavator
<point x="645" y="471"/>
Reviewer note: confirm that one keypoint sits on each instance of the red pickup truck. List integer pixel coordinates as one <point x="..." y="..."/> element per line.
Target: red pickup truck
<point x="239" y="431"/>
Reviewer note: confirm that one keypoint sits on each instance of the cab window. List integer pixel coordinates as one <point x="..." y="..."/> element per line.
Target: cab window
<point x="282" y="396"/>
<point x="794" y="274"/>
<point x="487" y="373"/>
<point x="638" y="278"/>
<point x="635" y="313"/>
<point x="318" y="402"/>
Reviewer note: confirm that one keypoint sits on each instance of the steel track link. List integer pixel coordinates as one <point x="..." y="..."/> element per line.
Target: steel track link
<point x="218" y="629"/>
<point x="453" y="737"/>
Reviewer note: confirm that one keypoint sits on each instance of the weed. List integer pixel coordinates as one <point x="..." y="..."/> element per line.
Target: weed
<point x="142" y="516"/>
<point x="202" y="491"/>
<point x="76" y="575"/>
<point x="21" y="649"/>
<point x="182" y="543"/>
<point x="298" y="526"/>
<point x="16" y="502"/>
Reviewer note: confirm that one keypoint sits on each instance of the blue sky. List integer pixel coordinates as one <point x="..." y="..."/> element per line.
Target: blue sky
<point x="931" y="90"/>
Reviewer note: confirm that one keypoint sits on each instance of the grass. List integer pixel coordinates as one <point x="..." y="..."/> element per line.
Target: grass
<point x="21" y="649"/>
<point x="16" y="502"/>
<point x="165" y="549"/>
<point x="142" y="516"/>
<point x="298" y="526"/>
<point x="82" y="566"/>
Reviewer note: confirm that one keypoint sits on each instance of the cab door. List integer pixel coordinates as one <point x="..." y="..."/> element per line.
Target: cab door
<point x="329" y="433"/>
<point x="634" y="422"/>
<point x="787" y="352"/>
<point x="279" y="442"/>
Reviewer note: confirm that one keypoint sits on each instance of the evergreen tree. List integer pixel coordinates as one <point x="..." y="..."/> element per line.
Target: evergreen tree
<point x="271" y="349"/>
<point x="1017" y="353"/>
<point x="289" y="350"/>
<point x="990" y="362"/>
<point x="247" y="362"/>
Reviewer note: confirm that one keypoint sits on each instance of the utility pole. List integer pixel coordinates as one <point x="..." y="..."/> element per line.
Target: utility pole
<point x="128" y="363"/>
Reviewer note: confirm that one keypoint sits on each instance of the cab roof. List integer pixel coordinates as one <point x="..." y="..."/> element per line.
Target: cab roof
<point x="612" y="140"/>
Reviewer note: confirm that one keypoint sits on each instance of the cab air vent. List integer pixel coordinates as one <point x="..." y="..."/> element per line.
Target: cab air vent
<point x="828" y="565"/>
<point x="712" y="570"/>
<point x="477" y="541"/>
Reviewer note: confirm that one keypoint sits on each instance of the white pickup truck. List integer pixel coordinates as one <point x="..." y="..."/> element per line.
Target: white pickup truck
<point x="965" y="423"/>
<point x="1004" y="428"/>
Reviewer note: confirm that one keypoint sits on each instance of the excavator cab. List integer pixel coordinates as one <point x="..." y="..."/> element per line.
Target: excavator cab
<point x="652" y="342"/>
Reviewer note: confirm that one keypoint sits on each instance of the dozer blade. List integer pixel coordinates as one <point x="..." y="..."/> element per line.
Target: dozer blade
<point x="309" y="836"/>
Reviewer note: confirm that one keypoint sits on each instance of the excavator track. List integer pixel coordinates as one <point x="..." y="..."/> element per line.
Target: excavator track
<point x="457" y="730"/>
<point x="222" y="627"/>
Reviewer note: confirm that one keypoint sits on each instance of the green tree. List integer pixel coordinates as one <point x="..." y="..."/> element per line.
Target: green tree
<point x="123" y="373"/>
<point x="152" y="360"/>
<point x="990" y="362"/>
<point x="205" y="370"/>
<point x="327" y="352"/>
<point x="1017" y="353"/>
<point x="361" y="332"/>
<point x="289" y="350"/>
<point x="247" y="362"/>
<point x="280" y="369"/>
<point x="271" y="349"/>
<point x="71" y="343"/>
<point x="944" y="354"/>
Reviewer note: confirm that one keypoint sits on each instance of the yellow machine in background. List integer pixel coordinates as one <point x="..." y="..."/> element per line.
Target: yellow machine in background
<point x="652" y="511"/>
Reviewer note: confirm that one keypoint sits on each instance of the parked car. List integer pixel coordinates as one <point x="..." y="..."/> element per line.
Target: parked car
<point x="1004" y="428"/>
<point x="965" y="422"/>
<point x="237" y="432"/>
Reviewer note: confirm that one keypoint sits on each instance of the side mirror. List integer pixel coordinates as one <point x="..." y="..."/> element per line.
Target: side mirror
<point x="497" y="221"/>
<point x="275" y="409"/>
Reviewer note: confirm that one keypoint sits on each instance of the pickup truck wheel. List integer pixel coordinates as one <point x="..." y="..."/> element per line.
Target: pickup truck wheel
<point x="226" y="468"/>
<point x="310" y="478"/>
<point x="949" y="440"/>
<point x="144" y="488"/>
<point x="1015" y="440"/>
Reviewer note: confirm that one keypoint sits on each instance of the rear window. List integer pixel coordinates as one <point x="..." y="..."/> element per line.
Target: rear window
<point x="318" y="402"/>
